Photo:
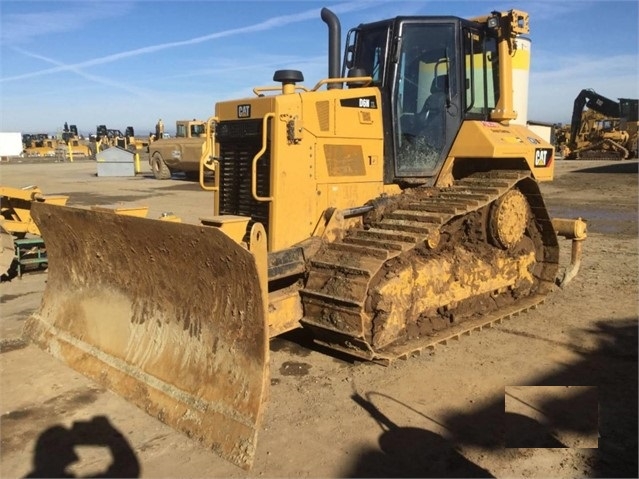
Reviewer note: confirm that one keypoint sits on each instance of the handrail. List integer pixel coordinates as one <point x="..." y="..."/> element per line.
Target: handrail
<point x="258" y="89"/>
<point x="364" y="80"/>
<point x="257" y="157"/>
<point x="206" y="155"/>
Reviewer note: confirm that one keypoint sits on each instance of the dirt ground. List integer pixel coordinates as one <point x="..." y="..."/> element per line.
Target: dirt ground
<point x="550" y="393"/>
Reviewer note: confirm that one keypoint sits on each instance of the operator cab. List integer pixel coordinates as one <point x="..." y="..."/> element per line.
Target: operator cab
<point x="433" y="73"/>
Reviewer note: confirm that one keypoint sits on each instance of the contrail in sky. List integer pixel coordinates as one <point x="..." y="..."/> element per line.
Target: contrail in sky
<point x="88" y="76"/>
<point x="265" y="25"/>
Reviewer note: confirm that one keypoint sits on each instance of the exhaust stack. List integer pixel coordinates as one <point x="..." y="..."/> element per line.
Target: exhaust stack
<point x="334" y="40"/>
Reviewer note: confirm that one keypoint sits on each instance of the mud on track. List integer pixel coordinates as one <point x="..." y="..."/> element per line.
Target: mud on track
<point x="497" y="403"/>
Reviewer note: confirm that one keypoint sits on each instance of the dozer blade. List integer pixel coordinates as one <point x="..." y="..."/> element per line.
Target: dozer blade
<point x="168" y="315"/>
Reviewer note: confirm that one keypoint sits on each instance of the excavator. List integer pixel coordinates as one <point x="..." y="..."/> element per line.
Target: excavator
<point x="606" y="129"/>
<point x="391" y="207"/>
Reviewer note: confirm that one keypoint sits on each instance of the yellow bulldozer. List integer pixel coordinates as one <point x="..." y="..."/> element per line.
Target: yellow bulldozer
<point x="108" y="137"/>
<point x="39" y="145"/>
<point x="388" y="208"/>
<point x="71" y="144"/>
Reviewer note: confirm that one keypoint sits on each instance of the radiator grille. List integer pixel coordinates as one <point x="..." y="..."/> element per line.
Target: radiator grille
<point x="239" y="142"/>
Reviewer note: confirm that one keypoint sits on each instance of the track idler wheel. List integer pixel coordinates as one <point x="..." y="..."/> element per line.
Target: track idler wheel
<point x="508" y="219"/>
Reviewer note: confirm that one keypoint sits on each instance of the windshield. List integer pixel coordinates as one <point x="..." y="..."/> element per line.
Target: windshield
<point x="197" y="130"/>
<point x="425" y="79"/>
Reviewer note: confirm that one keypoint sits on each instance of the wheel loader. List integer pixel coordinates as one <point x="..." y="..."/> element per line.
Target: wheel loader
<point x="390" y="207"/>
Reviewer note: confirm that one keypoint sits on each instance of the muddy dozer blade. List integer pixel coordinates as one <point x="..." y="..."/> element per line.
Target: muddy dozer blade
<point x="168" y="315"/>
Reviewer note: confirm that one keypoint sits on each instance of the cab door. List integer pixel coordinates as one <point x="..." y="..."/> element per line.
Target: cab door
<point x="426" y="96"/>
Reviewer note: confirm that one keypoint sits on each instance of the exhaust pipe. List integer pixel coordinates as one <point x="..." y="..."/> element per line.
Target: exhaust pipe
<point x="334" y="40"/>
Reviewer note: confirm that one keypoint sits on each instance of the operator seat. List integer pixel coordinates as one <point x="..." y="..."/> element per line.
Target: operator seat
<point x="433" y="114"/>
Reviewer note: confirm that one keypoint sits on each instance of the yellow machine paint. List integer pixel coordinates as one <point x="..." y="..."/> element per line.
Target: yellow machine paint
<point x="16" y="204"/>
<point x="338" y="160"/>
<point x="385" y="209"/>
<point x="16" y="221"/>
<point x="41" y="147"/>
<point x="179" y="353"/>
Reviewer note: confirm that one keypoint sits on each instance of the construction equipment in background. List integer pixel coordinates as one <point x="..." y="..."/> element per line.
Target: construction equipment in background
<point x="134" y="143"/>
<point x="16" y="222"/>
<point x="561" y="134"/>
<point x="39" y="145"/>
<point x="389" y="208"/>
<point x="109" y="137"/>
<point x="181" y="153"/>
<point x="605" y="129"/>
<point x="71" y="144"/>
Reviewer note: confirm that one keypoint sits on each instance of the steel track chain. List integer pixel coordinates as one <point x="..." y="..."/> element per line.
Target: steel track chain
<point x="340" y="275"/>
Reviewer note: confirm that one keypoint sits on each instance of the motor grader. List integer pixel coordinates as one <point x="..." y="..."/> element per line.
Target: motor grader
<point x="388" y="208"/>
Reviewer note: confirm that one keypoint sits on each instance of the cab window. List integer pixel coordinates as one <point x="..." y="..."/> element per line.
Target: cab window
<point x="425" y="84"/>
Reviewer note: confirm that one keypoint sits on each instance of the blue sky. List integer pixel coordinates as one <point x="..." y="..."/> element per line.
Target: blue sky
<point x="126" y="63"/>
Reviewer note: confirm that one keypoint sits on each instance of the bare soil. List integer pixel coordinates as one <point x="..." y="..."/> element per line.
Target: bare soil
<point x="551" y="393"/>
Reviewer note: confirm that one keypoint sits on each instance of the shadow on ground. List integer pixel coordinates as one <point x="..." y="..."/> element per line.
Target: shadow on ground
<point x="55" y="450"/>
<point x="610" y="370"/>
<point x="621" y="167"/>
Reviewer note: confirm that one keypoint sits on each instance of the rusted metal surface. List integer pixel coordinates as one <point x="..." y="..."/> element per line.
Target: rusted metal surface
<point x="187" y="344"/>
